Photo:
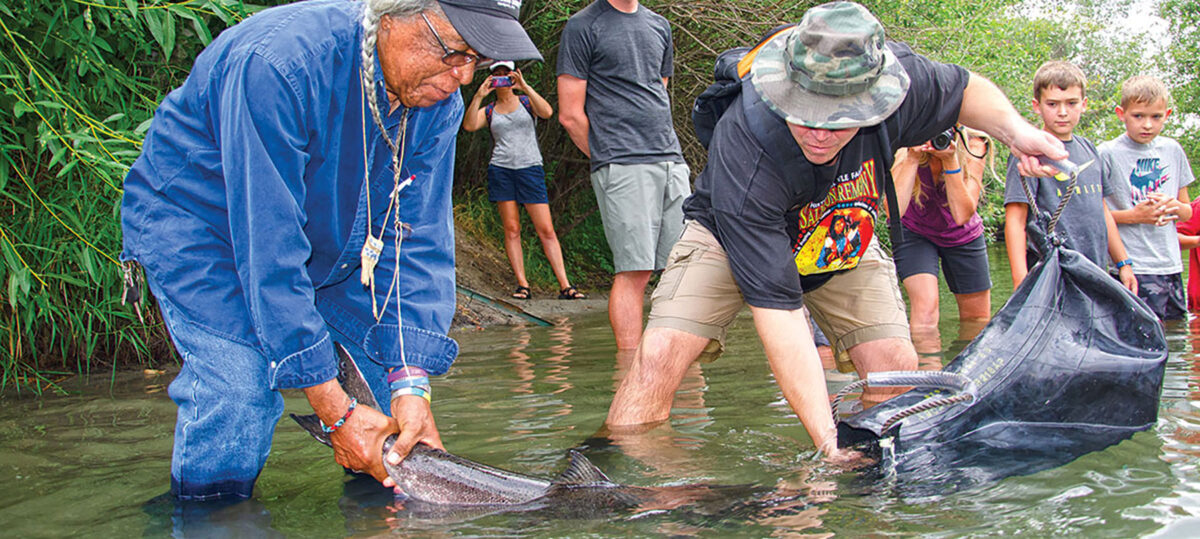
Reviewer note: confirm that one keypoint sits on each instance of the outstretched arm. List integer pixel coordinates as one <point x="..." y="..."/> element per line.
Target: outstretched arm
<point x="788" y="342"/>
<point x="986" y="108"/>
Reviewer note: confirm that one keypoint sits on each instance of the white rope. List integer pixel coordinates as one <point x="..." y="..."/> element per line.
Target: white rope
<point x="373" y="246"/>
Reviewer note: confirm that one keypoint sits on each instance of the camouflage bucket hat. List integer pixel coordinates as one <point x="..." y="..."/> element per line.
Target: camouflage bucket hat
<point x="831" y="71"/>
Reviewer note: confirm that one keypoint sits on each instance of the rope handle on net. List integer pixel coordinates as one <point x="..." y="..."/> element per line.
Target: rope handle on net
<point x="963" y="388"/>
<point x="926" y="405"/>
<point x="1062" y="203"/>
<point x="841" y="394"/>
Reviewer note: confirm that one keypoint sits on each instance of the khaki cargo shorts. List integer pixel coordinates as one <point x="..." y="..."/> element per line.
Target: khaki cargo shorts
<point x="697" y="294"/>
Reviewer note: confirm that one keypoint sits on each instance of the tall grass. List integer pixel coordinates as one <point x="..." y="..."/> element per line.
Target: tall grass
<point x="81" y="79"/>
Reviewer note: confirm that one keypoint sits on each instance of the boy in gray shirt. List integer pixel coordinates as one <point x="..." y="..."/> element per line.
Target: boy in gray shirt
<point x="616" y="57"/>
<point x="1059" y="97"/>
<point x="1149" y="175"/>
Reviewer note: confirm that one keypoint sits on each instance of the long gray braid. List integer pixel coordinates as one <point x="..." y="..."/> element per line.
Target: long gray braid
<point x="373" y="13"/>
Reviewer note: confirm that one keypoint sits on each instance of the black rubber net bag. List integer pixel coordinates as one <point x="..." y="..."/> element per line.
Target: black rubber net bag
<point x="1071" y="364"/>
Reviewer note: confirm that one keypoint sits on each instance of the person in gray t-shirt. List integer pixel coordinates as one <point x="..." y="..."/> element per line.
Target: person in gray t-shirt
<point x="515" y="174"/>
<point x="1082" y="221"/>
<point x="1140" y="171"/>
<point x="615" y="58"/>
<point x="1150" y="177"/>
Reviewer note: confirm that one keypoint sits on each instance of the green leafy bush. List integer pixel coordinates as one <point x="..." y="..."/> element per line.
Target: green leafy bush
<point x="81" y="79"/>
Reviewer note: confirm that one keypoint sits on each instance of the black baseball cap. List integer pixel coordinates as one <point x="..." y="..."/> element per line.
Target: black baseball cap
<point x="491" y="27"/>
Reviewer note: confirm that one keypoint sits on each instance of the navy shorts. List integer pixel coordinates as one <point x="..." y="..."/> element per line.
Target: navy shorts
<point x="524" y="185"/>
<point x="965" y="266"/>
<point x="1164" y="294"/>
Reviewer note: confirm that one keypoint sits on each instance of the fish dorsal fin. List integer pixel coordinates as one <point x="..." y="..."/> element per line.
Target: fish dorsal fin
<point x="352" y="380"/>
<point x="581" y="472"/>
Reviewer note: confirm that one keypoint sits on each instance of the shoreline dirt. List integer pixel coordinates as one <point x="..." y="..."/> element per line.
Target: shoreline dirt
<point x="483" y="269"/>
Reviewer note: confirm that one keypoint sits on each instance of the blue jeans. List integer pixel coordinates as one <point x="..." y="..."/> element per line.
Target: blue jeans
<point x="227" y="413"/>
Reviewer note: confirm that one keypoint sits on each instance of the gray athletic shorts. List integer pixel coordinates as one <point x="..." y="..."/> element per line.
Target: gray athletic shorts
<point x="642" y="209"/>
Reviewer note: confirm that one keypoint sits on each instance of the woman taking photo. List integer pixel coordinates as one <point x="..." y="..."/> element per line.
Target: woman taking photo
<point x="940" y="223"/>
<point x="515" y="174"/>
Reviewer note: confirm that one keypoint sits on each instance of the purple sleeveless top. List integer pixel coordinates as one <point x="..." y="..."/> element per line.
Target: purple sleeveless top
<point x="932" y="217"/>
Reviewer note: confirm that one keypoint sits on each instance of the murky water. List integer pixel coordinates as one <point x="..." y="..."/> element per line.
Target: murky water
<point x="96" y="462"/>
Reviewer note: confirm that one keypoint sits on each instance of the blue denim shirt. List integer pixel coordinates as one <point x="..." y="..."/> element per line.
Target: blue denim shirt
<point x="248" y="208"/>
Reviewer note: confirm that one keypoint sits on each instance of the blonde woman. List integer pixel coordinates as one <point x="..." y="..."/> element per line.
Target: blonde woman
<point x="941" y="225"/>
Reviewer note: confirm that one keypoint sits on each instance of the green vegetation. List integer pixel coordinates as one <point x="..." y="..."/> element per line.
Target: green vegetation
<point x="79" y="80"/>
<point x="1182" y="63"/>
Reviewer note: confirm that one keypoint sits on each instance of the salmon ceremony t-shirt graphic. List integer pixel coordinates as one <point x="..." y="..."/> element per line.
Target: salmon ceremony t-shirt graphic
<point x="835" y="232"/>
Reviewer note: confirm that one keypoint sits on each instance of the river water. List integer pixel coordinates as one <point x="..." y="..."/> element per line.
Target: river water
<point x="96" y="461"/>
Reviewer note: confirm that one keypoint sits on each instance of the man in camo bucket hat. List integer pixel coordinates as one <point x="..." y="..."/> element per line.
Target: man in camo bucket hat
<point x="796" y="167"/>
<point x="833" y="71"/>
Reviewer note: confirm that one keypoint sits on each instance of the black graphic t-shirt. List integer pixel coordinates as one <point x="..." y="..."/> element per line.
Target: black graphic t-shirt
<point x="789" y="225"/>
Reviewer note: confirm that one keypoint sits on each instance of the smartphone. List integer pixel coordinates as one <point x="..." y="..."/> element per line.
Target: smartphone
<point x="501" y="82"/>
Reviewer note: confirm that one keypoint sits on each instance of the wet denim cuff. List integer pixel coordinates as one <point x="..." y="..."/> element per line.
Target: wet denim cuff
<point x="429" y="350"/>
<point x="306" y="368"/>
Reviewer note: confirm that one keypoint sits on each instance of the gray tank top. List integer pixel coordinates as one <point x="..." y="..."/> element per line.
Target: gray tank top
<point x="516" y="141"/>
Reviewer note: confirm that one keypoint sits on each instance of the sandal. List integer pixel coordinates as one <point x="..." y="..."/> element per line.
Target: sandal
<point x="571" y="293"/>
<point x="522" y="292"/>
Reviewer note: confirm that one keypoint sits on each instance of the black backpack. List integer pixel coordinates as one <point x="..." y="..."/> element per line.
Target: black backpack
<point x="731" y="68"/>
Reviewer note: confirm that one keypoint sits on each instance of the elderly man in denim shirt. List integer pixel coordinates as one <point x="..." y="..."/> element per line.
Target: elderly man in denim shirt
<point x="259" y="182"/>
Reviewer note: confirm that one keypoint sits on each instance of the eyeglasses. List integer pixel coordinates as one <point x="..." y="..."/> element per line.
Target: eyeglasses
<point x="456" y="58"/>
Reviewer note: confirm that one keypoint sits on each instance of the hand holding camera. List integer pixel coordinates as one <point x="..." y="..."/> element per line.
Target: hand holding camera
<point x="518" y="80"/>
<point x="945" y="139"/>
<point x="485" y="88"/>
<point x="501" y="81"/>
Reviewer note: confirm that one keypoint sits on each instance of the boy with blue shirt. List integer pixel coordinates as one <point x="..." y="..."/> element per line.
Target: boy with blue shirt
<point x="1150" y="175"/>
<point x="1059" y="97"/>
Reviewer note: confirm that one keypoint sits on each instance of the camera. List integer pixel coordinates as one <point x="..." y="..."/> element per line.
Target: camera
<point x="502" y="82"/>
<point x="943" y="140"/>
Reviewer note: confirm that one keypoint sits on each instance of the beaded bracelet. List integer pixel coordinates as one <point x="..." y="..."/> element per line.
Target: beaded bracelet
<point x="418" y="391"/>
<point x="329" y="429"/>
